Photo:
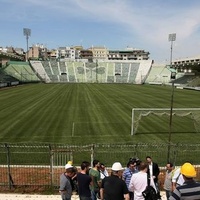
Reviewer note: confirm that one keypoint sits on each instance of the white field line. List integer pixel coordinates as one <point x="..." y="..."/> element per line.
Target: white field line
<point x="73" y="127"/>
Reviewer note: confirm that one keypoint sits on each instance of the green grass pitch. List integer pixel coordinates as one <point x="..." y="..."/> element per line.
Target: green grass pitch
<point x="91" y="113"/>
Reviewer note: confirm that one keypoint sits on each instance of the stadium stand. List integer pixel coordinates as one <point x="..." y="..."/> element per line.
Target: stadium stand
<point x="125" y="72"/>
<point x="118" y="72"/>
<point x="22" y="71"/>
<point x="101" y="72"/>
<point x="159" y="74"/>
<point x="91" y="72"/>
<point x="184" y="80"/>
<point x="110" y="72"/>
<point x="96" y="72"/>
<point x="54" y="66"/>
<point x="194" y="82"/>
<point x="143" y="71"/>
<point x="63" y="72"/>
<point x="49" y="70"/>
<point x="40" y="71"/>
<point x="79" y="68"/>
<point x="133" y="72"/>
<point x="121" y="72"/>
<point x="7" y="80"/>
<point x="71" y="72"/>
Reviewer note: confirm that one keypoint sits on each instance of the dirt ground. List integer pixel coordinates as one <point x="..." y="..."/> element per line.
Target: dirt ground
<point x="43" y="197"/>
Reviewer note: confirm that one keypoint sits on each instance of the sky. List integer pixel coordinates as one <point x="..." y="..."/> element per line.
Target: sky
<point x="115" y="24"/>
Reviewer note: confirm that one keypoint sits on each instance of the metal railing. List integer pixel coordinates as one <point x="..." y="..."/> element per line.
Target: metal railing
<point x="39" y="166"/>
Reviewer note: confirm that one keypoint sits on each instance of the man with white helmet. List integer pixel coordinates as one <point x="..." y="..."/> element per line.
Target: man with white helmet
<point x="65" y="182"/>
<point x="190" y="189"/>
<point x="113" y="187"/>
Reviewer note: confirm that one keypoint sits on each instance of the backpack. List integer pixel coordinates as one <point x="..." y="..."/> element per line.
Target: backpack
<point x="149" y="193"/>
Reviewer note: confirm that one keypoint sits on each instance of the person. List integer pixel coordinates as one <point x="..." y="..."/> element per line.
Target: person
<point x="103" y="171"/>
<point x="177" y="178"/>
<point x="65" y="183"/>
<point x="84" y="181"/>
<point x="127" y="174"/>
<point x="168" y="180"/>
<point x="113" y="187"/>
<point x="138" y="182"/>
<point x="73" y="180"/>
<point x="190" y="189"/>
<point x="153" y="171"/>
<point x="96" y="181"/>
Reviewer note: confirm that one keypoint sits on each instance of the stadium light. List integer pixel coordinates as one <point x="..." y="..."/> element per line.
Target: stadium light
<point x="172" y="38"/>
<point x="27" y="33"/>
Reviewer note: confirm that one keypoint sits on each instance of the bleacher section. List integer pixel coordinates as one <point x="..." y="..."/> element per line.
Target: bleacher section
<point x="79" y="68"/>
<point x="132" y="72"/>
<point x="184" y="80"/>
<point x="97" y="72"/>
<point x="22" y="71"/>
<point x="55" y="72"/>
<point x="194" y="82"/>
<point x="7" y="80"/>
<point x="101" y="72"/>
<point x="71" y="72"/>
<point x="91" y="72"/>
<point x="40" y="71"/>
<point x="159" y="74"/>
<point x="49" y="71"/>
<point x="110" y="72"/>
<point x="63" y="72"/>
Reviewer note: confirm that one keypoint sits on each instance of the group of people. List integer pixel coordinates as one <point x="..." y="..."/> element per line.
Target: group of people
<point x="180" y="184"/>
<point x="130" y="183"/>
<point x="88" y="180"/>
<point x="143" y="174"/>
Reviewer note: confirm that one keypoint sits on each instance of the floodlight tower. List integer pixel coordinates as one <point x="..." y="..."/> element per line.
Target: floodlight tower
<point x="172" y="38"/>
<point x="27" y="33"/>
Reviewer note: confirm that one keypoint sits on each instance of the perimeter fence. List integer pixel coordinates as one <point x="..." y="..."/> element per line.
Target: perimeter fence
<point x="37" y="167"/>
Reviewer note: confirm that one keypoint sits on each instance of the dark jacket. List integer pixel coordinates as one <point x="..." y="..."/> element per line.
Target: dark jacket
<point x="156" y="171"/>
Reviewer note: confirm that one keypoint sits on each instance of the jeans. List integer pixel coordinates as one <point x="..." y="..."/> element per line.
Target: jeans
<point x="65" y="197"/>
<point x="85" y="198"/>
<point x="93" y="195"/>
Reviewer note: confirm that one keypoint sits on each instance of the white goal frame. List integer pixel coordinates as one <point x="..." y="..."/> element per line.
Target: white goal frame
<point x="133" y="132"/>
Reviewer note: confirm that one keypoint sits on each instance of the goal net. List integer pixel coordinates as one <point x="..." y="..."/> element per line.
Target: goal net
<point x="157" y="114"/>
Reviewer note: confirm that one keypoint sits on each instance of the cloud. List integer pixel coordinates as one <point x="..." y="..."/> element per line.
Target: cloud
<point x="145" y="24"/>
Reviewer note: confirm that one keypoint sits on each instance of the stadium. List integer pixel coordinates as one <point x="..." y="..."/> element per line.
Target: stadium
<point x="81" y="110"/>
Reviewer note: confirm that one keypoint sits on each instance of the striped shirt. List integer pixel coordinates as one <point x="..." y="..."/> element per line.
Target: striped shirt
<point x="127" y="174"/>
<point x="190" y="190"/>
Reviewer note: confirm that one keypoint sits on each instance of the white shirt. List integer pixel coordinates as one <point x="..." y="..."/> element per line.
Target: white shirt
<point x="178" y="177"/>
<point x="151" y="169"/>
<point x="104" y="173"/>
<point x="138" y="184"/>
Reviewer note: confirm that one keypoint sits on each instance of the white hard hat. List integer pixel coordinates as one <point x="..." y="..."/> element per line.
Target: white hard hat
<point x="67" y="166"/>
<point x="117" y="166"/>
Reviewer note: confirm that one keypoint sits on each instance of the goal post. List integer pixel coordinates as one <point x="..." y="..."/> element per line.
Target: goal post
<point x="139" y="113"/>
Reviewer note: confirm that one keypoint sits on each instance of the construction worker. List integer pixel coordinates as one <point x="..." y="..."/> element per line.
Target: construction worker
<point x="113" y="187"/>
<point x="190" y="189"/>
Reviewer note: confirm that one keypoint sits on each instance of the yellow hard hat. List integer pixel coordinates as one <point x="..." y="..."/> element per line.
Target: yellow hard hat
<point x="188" y="170"/>
<point x="70" y="162"/>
